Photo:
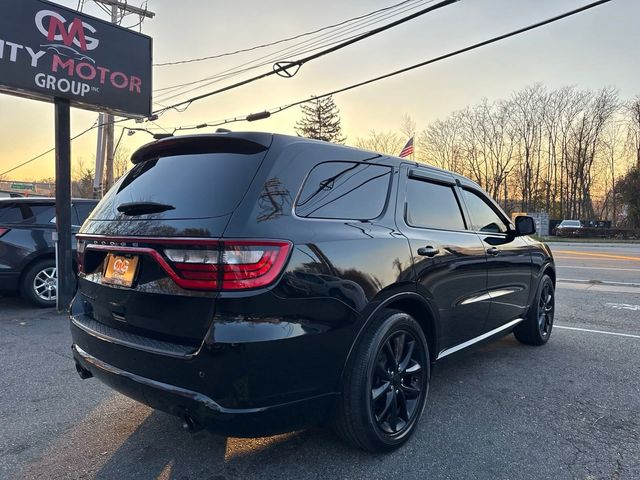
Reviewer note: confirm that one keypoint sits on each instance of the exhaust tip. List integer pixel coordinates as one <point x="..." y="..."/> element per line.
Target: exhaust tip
<point x="83" y="372"/>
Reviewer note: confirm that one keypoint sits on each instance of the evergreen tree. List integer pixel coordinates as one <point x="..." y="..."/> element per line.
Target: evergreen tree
<point x="321" y="121"/>
<point x="628" y="188"/>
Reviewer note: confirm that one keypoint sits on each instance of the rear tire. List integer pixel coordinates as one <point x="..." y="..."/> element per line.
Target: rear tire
<point x="39" y="284"/>
<point x="385" y="385"/>
<point x="537" y="326"/>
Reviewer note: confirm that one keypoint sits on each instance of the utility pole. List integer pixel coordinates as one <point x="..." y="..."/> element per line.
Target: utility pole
<point x="97" y="181"/>
<point x="104" y="150"/>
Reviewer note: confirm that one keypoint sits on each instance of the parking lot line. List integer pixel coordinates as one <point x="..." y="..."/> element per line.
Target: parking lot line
<point x="624" y="306"/>
<point x="604" y="332"/>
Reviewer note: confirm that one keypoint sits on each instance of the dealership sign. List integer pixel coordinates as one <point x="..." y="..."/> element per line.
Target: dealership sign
<point x="49" y="51"/>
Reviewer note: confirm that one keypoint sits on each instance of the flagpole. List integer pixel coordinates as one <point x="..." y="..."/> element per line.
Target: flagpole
<point x="413" y="153"/>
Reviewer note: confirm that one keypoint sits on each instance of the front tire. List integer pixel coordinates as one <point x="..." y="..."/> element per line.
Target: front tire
<point x="39" y="283"/>
<point x="386" y="385"/>
<point x="537" y="326"/>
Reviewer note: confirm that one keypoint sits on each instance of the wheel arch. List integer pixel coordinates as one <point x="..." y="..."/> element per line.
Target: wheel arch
<point x="413" y="304"/>
<point x="549" y="269"/>
<point x="46" y="255"/>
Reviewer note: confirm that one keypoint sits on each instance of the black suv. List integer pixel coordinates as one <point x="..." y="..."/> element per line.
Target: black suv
<point x="27" y="252"/>
<point x="254" y="283"/>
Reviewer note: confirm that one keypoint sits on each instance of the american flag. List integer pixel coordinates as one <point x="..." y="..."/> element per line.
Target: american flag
<point x="408" y="149"/>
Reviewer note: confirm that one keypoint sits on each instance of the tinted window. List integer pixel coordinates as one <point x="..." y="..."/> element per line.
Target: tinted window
<point x="344" y="190"/>
<point x="570" y="223"/>
<point x="37" y="213"/>
<point x="483" y="216"/>
<point x="84" y="209"/>
<point x="10" y="213"/>
<point x="196" y="185"/>
<point x="432" y="205"/>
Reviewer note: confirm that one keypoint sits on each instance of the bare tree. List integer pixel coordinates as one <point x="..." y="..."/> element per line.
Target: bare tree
<point x="540" y="150"/>
<point x="82" y="180"/>
<point x="389" y="143"/>
<point x="633" y="109"/>
<point x="121" y="162"/>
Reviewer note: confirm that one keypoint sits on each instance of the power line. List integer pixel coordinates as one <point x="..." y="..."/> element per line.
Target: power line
<point x="284" y="69"/>
<point x="273" y="111"/>
<point x="288" y="51"/>
<point x="223" y="76"/>
<point x="75" y="137"/>
<point x="47" y="152"/>
<point x="277" y="42"/>
<point x="334" y="37"/>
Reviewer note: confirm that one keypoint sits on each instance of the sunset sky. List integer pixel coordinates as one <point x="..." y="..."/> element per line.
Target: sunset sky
<point x="591" y="50"/>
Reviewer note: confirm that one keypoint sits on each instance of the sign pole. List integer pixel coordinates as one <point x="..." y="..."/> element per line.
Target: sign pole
<point x="64" y="260"/>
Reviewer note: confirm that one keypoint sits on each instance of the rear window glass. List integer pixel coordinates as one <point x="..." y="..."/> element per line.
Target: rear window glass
<point x="344" y="190"/>
<point x="432" y="205"/>
<point x="195" y="185"/>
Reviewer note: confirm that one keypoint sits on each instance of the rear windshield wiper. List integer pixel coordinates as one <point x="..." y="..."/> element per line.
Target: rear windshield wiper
<point x="142" y="208"/>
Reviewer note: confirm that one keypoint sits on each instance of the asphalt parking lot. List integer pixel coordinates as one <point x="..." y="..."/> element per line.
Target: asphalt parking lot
<point x="570" y="409"/>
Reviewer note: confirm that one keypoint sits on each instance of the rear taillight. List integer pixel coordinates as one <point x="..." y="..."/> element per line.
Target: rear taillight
<point x="3" y="231"/>
<point x="234" y="265"/>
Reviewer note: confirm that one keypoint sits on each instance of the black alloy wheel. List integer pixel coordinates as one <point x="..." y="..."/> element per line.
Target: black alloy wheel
<point x="545" y="309"/>
<point x="397" y="382"/>
<point x="538" y="324"/>
<point x="386" y="383"/>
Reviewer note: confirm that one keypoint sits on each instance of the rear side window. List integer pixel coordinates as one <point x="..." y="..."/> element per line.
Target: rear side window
<point x="344" y="190"/>
<point x="196" y="185"/>
<point x="31" y="213"/>
<point x="39" y="213"/>
<point x="10" y="213"/>
<point x="432" y="205"/>
<point x="483" y="217"/>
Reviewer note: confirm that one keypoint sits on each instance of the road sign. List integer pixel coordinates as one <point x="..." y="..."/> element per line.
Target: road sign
<point x="23" y="186"/>
<point x="52" y="53"/>
<point x="48" y="51"/>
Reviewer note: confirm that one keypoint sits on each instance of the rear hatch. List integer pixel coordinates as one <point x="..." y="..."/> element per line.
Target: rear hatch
<point x="152" y="259"/>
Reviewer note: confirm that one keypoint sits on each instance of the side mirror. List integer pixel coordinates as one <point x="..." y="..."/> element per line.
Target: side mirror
<point x="525" y="226"/>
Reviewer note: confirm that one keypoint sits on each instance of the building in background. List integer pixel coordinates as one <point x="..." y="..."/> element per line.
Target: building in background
<point x="28" y="189"/>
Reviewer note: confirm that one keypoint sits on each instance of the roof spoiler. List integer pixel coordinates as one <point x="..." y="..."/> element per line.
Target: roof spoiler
<point x="243" y="143"/>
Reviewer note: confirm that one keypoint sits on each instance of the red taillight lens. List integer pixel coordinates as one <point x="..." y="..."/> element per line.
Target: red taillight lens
<point x="248" y="265"/>
<point x="236" y="265"/>
<point x="3" y="231"/>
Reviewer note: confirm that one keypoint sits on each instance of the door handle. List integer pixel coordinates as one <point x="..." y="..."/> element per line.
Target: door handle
<point x="493" y="251"/>
<point x="428" y="251"/>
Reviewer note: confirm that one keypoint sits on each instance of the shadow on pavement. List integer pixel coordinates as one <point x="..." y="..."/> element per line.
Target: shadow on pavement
<point x="500" y="411"/>
<point x="124" y="439"/>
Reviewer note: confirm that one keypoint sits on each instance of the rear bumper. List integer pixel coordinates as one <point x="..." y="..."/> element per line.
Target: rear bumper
<point x="201" y="409"/>
<point x="9" y="281"/>
<point x="266" y="365"/>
